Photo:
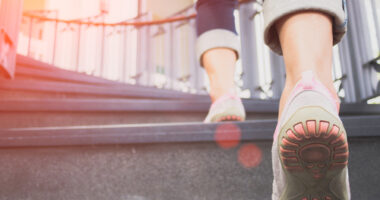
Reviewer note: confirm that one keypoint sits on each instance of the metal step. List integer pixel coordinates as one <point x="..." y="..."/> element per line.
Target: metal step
<point x="356" y="126"/>
<point x="33" y="77"/>
<point x="42" y="111"/>
<point x="167" y="161"/>
<point x="92" y="90"/>
<point x="154" y="105"/>
<point x="80" y="112"/>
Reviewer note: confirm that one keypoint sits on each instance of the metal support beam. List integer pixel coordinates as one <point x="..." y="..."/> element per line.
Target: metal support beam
<point x="278" y="74"/>
<point x="248" y="49"/>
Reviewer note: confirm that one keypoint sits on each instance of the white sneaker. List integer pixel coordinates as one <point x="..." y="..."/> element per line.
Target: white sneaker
<point x="310" y="148"/>
<point x="227" y="108"/>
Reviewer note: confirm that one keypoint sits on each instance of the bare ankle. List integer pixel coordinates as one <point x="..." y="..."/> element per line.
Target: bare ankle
<point x="220" y="67"/>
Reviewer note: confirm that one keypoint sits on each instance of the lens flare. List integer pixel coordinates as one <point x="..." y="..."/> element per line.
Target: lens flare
<point x="227" y="135"/>
<point x="250" y="156"/>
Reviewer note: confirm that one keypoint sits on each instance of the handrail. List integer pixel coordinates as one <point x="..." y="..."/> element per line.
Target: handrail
<point x="147" y="23"/>
<point x="40" y="11"/>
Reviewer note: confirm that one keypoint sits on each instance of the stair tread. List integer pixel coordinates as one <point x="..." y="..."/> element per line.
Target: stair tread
<point x="154" y="105"/>
<point x="60" y="76"/>
<point x="76" y="88"/>
<point x="48" y="74"/>
<point x="356" y="126"/>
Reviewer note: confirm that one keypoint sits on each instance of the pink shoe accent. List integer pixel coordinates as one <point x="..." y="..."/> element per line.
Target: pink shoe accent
<point x="287" y="152"/>
<point x="309" y="82"/>
<point x="323" y="128"/>
<point x="230" y="118"/>
<point x="310" y="128"/>
<point x="299" y="129"/>
<point x="339" y="140"/>
<point x="341" y="148"/>
<point x="327" y="152"/>
<point x="334" y="132"/>
<point x="341" y="156"/>
<point x="219" y="106"/>
<point x="289" y="144"/>
<point x="339" y="165"/>
<point x="292" y="136"/>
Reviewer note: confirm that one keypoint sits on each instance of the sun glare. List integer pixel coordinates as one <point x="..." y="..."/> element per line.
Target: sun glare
<point x="81" y="47"/>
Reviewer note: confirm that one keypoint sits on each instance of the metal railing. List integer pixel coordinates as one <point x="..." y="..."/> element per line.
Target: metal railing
<point x="137" y="51"/>
<point x="162" y="53"/>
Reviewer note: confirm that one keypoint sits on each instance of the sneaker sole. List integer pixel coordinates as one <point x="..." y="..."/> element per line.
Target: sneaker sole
<point x="231" y="114"/>
<point x="230" y="118"/>
<point x="313" y="150"/>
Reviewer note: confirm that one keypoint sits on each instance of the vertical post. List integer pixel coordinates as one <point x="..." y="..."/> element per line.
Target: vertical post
<point x="141" y="45"/>
<point x="167" y="49"/>
<point x="358" y="40"/>
<point x="370" y="79"/>
<point x="78" y="46"/>
<point x="30" y="35"/>
<point x="144" y="58"/>
<point x="278" y="74"/>
<point x="125" y="54"/>
<point x="55" y="39"/>
<point x="173" y="47"/>
<point x="102" y="47"/>
<point x="347" y="70"/>
<point x="149" y="53"/>
<point x="141" y="7"/>
<point x="193" y="63"/>
<point x="141" y="55"/>
<point x="376" y="17"/>
<point x="248" y="49"/>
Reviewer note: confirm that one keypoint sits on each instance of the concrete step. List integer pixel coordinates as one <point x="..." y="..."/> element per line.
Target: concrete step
<point x="160" y="162"/>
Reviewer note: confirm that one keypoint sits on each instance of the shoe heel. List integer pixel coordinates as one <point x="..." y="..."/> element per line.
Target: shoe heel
<point x="314" y="153"/>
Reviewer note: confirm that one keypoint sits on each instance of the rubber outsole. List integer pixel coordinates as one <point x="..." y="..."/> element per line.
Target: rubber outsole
<point x="229" y="118"/>
<point x="314" y="153"/>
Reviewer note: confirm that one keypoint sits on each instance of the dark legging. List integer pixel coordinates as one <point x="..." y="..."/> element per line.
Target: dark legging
<point x="215" y="14"/>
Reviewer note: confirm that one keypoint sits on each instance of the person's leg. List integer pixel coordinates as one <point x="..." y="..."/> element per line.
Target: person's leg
<point x="219" y="64"/>
<point x="217" y="47"/>
<point x="310" y="149"/>
<point x="306" y="40"/>
<point x="217" y="52"/>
